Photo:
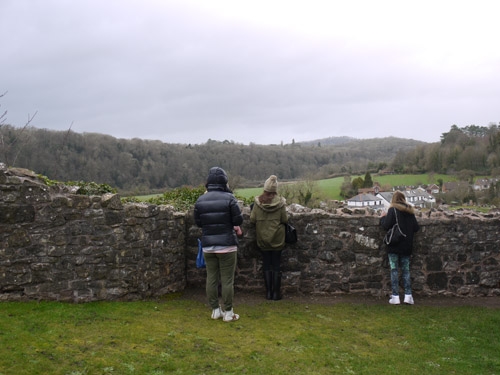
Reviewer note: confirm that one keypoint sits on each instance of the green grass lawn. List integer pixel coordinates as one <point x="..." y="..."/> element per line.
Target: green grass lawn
<point x="330" y="188"/>
<point x="177" y="336"/>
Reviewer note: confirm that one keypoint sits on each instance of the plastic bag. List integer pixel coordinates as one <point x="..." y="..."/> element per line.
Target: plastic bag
<point x="200" y="259"/>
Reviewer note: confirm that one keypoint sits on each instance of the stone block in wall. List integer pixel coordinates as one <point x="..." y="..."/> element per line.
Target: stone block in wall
<point x="113" y="218"/>
<point x="18" y="238"/>
<point x="141" y="210"/>
<point x="16" y="213"/>
<point x="111" y="202"/>
<point x="80" y="202"/>
<point x="490" y="279"/>
<point x="437" y="281"/>
<point x="433" y="263"/>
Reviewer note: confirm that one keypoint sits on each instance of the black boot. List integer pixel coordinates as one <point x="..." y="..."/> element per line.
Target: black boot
<point x="268" y="281"/>
<point x="276" y="286"/>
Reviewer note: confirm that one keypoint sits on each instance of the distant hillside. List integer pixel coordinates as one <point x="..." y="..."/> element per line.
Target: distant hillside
<point x="142" y="166"/>
<point x="330" y="141"/>
<point x="349" y="141"/>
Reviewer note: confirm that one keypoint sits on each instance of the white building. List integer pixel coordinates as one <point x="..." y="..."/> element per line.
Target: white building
<point x="416" y="197"/>
<point x="365" y="200"/>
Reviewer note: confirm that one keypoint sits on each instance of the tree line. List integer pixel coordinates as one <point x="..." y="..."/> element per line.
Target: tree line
<point x="140" y="166"/>
<point x="465" y="152"/>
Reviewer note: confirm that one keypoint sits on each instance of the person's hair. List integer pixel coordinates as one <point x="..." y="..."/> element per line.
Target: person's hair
<point x="398" y="197"/>
<point x="266" y="197"/>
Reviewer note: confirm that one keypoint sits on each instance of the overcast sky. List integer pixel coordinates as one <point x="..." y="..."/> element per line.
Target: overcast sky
<point x="185" y="71"/>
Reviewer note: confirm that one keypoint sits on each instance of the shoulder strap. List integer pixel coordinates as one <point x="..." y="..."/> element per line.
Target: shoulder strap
<point x="399" y="228"/>
<point x="396" y="214"/>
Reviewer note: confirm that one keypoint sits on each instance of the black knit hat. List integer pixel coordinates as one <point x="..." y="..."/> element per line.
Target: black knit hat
<point x="217" y="176"/>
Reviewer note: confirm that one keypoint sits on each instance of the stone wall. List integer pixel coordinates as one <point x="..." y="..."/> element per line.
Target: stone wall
<point x="455" y="254"/>
<point x="60" y="246"/>
<point x="55" y="245"/>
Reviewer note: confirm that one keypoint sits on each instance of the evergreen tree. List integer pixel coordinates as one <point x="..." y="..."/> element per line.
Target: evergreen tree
<point x="368" y="182"/>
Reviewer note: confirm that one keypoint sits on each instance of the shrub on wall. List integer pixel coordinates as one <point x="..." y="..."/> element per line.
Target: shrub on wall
<point x="181" y="198"/>
<point x="81" y="187"/>
<point x="184" y="198"/>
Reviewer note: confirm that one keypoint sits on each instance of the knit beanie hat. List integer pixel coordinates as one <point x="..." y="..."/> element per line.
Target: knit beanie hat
<point x="271" y="184"/>
<point x="217" y="176"/>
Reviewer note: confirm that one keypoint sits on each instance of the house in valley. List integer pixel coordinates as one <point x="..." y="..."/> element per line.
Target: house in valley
<point x="484" y="183"/>
<point x="416" y="197"/>
<point x="365" y="200"/>
<point x="432" y="189"/>
<point x="419" y="197"/>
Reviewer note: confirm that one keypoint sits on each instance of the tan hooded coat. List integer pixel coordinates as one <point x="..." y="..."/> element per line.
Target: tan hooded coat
<point x="269" y="220"/>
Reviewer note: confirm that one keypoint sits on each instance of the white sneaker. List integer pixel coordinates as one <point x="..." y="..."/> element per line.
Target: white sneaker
<point x="409" y="299"/>
<point x="230" y="316"/>
<point x="217" y="313"/>
<point x="394" y="300"/>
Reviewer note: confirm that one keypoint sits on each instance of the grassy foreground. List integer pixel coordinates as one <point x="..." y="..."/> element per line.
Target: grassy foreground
<point x="177" y="336"/>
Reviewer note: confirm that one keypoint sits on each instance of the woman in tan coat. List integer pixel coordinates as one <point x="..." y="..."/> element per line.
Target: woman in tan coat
<point x="269" y="216"/>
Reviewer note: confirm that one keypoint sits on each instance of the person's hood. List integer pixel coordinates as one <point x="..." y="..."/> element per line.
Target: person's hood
<point x="407" y="208"/>
<point x="277" y="203"/>
<point x="217" y="179"/>
<point x="217" y="176"/>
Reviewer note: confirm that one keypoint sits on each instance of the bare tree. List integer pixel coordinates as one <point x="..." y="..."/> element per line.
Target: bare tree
<point x="3" y="116"/>
<point x="11" y="148"/>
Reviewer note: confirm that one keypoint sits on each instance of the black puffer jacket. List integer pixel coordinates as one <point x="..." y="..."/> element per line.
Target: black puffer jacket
<point x="217" y="212"/>
<point x="407" y="223"/>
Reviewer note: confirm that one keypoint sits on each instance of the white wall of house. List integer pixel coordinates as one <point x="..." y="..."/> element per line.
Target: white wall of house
<point x="364" y="200"/>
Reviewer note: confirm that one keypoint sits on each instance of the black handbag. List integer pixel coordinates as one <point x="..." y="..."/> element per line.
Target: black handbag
<point x="290" y="233"/>
<point x="394" y="235"/>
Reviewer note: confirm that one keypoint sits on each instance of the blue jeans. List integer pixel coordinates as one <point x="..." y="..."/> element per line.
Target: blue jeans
<point x="220" y="267"/>
<point x="396" y="260"/>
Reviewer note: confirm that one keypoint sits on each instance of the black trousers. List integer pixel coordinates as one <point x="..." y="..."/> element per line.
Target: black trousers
<point x="271" y="260"/>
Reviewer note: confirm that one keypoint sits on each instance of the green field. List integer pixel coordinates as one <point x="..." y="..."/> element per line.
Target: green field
<point x="330" y="188"/>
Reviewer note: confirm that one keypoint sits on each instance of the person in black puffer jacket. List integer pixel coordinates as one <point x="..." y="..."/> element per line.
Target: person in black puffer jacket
<point x="400" y="253"/>
<point x="218" y="214"/>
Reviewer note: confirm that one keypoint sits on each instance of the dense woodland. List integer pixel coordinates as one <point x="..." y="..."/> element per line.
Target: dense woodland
<point x="473" y="149"/>
<point x="142" y="166"/>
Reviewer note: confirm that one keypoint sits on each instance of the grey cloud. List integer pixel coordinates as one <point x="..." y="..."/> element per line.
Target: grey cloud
<point x="178" y="74"/>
